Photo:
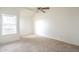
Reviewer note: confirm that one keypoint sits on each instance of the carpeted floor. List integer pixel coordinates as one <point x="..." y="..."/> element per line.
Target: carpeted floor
<point x="34" y="43"/>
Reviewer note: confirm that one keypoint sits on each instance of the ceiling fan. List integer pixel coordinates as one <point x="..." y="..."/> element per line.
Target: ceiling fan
<point x="43" y="9"/>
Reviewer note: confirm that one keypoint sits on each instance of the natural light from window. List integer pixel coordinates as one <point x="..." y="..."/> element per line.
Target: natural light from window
<point x="40" y="26"/>
<point x="9" y="24"/>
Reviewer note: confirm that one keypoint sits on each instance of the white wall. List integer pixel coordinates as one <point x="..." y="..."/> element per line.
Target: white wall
<point x="13" y="37"/>
<point x="59" y="23"/>
<point x="26" y="22"/>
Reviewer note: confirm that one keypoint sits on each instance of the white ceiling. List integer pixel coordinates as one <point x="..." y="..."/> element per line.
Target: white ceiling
<point x="34" y="9"/>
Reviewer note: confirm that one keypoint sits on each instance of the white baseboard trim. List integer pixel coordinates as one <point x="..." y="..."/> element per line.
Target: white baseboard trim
<point x="8" y="38"/>
<point x="59" y="39"/>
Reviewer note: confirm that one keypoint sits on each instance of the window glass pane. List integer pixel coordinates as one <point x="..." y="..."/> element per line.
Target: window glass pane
<point x="9" y="24"/>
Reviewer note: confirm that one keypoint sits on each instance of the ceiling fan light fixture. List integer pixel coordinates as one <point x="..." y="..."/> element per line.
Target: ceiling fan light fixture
<point x="43" y="9"/>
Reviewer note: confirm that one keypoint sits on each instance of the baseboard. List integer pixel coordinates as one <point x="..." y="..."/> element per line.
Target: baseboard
<point x="59" y="39"/>
<point x="8" y="38"/>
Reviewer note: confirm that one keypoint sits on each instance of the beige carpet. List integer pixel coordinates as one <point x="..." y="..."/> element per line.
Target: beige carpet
<point x="34" y="43"/>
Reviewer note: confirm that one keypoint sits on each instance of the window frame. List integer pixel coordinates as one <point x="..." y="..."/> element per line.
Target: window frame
<point x="9" y="33"/>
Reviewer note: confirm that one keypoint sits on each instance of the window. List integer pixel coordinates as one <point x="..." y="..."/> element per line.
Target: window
<point x="8" y="24"/>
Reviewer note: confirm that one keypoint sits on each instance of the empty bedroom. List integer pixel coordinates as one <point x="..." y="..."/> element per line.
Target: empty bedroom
<point x="39" y="29"/>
